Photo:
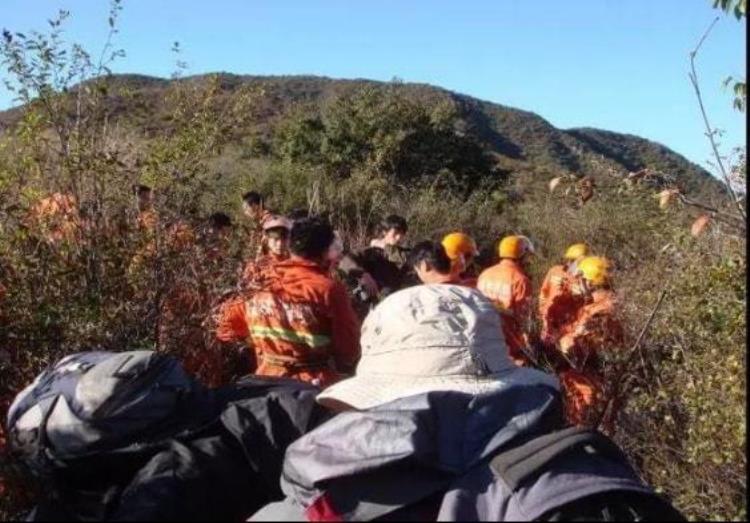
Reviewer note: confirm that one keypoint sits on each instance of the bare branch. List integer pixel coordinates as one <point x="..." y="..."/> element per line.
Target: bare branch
<point x="709" y="131"/>
<point x="688" y="201"/>
<point x="620" y="374"/>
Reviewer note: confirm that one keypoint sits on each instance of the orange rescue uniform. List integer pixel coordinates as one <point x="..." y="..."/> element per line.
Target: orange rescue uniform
<point x="508" y="287"/>
<point x="259" y="270"/>
<point x="594" y="329"/>
<point x="300" y="324"/>
<point x="56" y="216"/>
<point x="559" y="301"/>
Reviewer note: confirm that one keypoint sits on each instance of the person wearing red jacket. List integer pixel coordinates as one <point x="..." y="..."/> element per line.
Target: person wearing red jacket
<point x="509" y="288"/>
<point x="301" y="323"/>
<point x="275" y="249"/>
<point x="560" y="296"/>
<point x="594" y="329"/>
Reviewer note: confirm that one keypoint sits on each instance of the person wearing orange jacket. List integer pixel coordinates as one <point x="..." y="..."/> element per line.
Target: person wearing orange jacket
<point x="559" y="296"/>
<point x="275" y="249"/>
<point x="301" y="323"/>
<point x="594" y="329"/>
<point x="56" y="217"/>
<point x="461" y="250"/>
<point x="508" y="286"/>
<point x="231" y="325"/>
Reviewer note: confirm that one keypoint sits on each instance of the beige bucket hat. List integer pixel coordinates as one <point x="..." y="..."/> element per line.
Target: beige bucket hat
<point x="431" y="338"/>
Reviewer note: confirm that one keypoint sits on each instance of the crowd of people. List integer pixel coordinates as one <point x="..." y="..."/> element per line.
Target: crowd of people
<point x="417" y="366"/>
<point x="302" y="296"/>
<point x="305" y="297"/>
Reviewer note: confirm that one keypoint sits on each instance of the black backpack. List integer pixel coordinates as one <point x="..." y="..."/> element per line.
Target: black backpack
<point x="130" y="436"/>
<point x="93" y="401"/>
<point x="525" y="464"/>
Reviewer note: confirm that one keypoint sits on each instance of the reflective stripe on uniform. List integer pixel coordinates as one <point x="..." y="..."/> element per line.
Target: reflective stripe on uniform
<point x="311" y="340"/>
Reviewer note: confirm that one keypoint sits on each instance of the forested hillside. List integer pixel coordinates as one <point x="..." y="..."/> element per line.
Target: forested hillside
<point x="514" y="139"/>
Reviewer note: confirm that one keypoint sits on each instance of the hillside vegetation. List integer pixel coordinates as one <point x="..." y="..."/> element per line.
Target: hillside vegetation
<point x="357" y="150"/>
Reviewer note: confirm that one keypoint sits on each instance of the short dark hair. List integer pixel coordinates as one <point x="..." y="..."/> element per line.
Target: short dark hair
<point x="311" y="237"/>
<point x="394" y="221"/>
<point x="139" y="189"/>
<point x="298" y="214"/>
<point x="219" y="220"/>
<point x="433" y="254"/>
<point x="252" y="198"/>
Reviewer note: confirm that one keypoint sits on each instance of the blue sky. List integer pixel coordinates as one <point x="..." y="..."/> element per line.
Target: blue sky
<point x="611" y="64"/>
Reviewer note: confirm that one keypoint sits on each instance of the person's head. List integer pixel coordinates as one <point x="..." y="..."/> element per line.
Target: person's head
<point x="393" y="229"/>
<point x="276" y="235"/>
<point x="312" y="239"/>
<point x="515" y="247"/>
<point x="430" y="338"/>
<point x="430" y="262"/>
<point x="252" y="204"/>
<point x="594" y="271"/>
<point x="461" y="250"/>
<point x="144" y="196"/>
<point x="575" y="253"/>
<point x="219" y="224"/>
<point x="298" y="214"/>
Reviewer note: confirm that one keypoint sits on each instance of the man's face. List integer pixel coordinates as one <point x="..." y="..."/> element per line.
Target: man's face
<point x="251" y="211"/>
<point x="393" y="237"/>
<point x="277" y="244"/>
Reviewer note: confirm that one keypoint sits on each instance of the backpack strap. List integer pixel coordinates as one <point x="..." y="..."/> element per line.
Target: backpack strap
<point x="518" y="464"/>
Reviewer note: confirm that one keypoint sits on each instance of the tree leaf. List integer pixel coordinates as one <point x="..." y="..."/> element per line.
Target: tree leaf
<point x="700" y="224"/>
<point x="666" y="197"/>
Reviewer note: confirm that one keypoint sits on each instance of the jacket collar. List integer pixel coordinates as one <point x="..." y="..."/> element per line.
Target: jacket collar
<point x="298" y="262"/>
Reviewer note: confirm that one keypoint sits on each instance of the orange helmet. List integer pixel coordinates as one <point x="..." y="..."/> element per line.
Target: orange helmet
<point x="459" y="244"/>
<point x="514" y="247"/>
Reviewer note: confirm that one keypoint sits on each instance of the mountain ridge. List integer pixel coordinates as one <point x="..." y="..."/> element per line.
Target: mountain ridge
<point x="514" y="135"/>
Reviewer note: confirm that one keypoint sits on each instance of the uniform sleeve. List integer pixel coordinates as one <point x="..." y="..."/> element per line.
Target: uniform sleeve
<point x="231" y="323"/>
<point x="544" y="293"/>
<point x="595" y="328"/>
<point x="521" y="299"/>
<point x="345" y="329"/>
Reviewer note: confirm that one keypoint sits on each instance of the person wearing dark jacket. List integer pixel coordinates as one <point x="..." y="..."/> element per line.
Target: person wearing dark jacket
<point x="439" y="424"/>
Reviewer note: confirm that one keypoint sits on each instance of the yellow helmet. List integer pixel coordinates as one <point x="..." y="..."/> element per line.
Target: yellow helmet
<point x="514" y="247"/>
<point x="458" y="244"/>
<point x="595" y="269"/>
<point x="577" y="250"/>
